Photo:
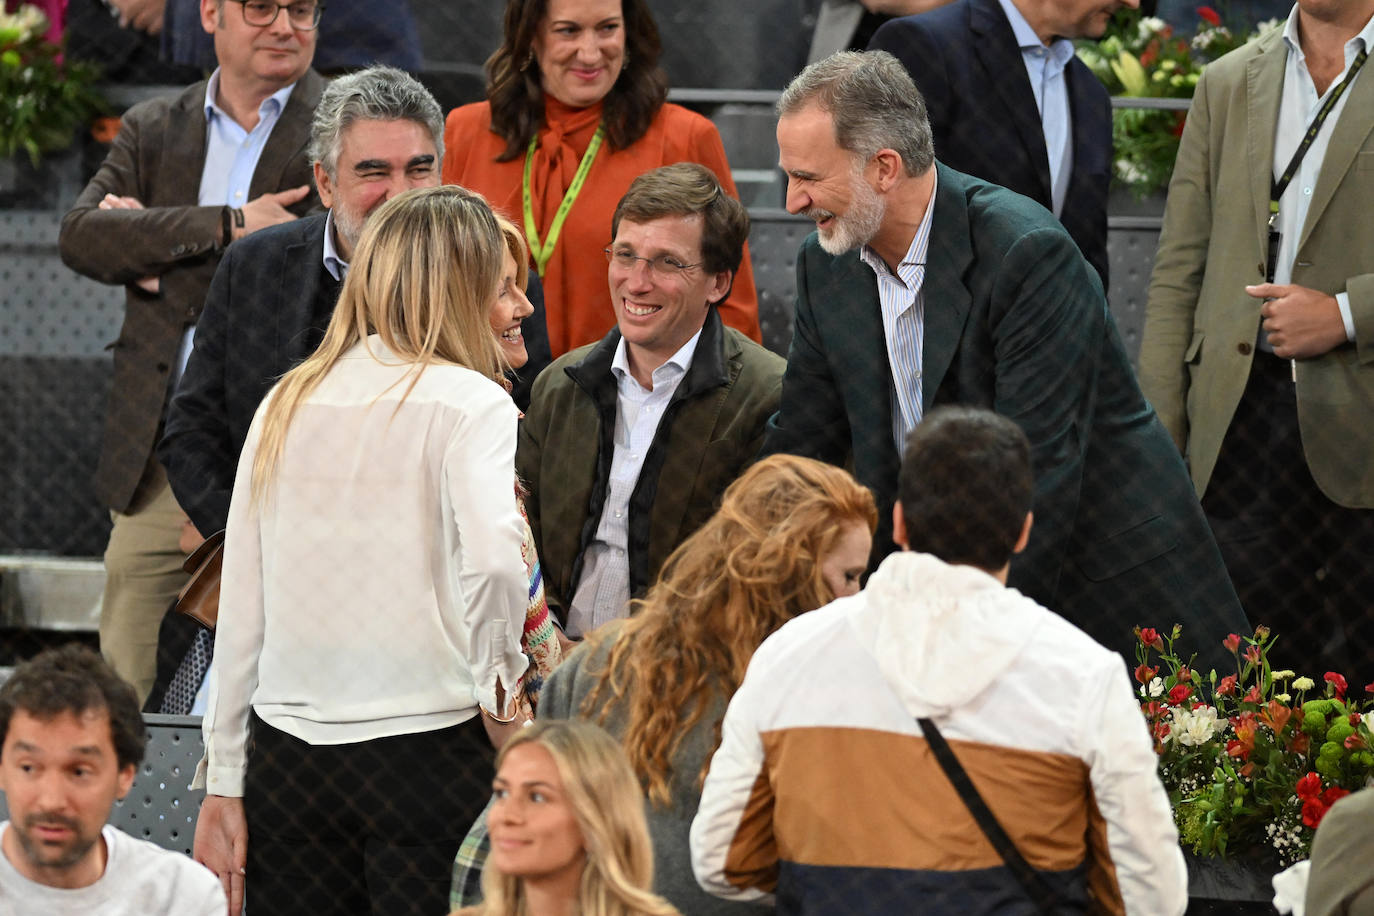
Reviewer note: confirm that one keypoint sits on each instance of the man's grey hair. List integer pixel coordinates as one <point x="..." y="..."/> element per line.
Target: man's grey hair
<point x="374" y="94"/>
<point x="873" y="103"/>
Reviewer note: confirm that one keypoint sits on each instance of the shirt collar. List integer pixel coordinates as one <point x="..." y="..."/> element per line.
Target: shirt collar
<point x="916" y="252"/>
<point x="270" y="107"/>
<point x="1363" y="41"/>
<point x="1061" y="49"/>
<point x="677" y="364"/>
<point x="333" y="261"/>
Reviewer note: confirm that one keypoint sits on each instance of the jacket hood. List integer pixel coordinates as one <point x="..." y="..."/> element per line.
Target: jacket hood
<point x="940" y="633"/>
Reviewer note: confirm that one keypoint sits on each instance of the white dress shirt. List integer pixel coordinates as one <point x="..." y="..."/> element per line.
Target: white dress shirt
<point x="1297" y="107"/>
<point x="378" y="589"/>
<point x="904" y="318"/>
<point x="1045" y="69"/>
<point x="603" y="589"/>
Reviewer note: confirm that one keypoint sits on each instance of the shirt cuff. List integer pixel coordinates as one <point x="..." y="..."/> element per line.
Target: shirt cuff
<point x="1343" y="303"/>
<point x="219" y="780"/>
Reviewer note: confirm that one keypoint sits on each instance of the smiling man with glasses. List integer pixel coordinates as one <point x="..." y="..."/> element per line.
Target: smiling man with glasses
<point x="629" y="442"/>
<point x="187" y="177"/>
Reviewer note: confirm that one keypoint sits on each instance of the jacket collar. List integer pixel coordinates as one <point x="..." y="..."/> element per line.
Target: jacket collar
<point x="709" y="368"/>
<point x="947" y="297"/>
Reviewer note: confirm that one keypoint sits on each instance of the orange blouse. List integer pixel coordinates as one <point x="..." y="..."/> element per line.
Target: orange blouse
<point x="576" y="296"/>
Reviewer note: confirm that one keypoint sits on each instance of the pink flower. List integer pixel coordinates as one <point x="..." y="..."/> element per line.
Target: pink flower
<point x="1252" y="654"/>
<point x="1232" y="643"/>
<point x="1252" y="695"/>
<point x="1184" y="675"/>
<point x="1227" y="685"/>
<point x="1144" y="673"/>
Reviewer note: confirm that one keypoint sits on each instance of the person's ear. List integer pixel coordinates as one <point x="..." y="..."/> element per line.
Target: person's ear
<point x="899" y="535"/>
<point x="126" y="780"/>
<point x="1024" y="538"/>
<point x="719" y="288"/>
<point x="323" y="185"/>
<point x="209" y="15"/>
<point x="888" y="168"/>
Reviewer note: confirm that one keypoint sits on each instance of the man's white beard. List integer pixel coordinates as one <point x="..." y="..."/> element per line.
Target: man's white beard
<point x="860" y="224"/>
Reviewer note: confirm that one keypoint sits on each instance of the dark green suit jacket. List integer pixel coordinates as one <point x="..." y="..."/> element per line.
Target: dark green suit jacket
<point x="1016" y="321"/>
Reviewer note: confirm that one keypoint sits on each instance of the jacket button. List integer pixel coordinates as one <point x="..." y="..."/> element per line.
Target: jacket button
<point x="1243" y="349"/>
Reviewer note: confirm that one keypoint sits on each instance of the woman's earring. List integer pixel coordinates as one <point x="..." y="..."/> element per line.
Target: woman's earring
<point x="625" y="63"/>
<point x="529" y="61"/>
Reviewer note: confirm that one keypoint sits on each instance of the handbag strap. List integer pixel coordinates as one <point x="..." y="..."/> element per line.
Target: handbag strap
<point x="1030" y="880"/>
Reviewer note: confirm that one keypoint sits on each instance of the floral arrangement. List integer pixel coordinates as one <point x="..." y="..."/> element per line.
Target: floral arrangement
<point x="1253" y="759"/>
<point x="43" y="100"/>
<point x="1142" y="57"/>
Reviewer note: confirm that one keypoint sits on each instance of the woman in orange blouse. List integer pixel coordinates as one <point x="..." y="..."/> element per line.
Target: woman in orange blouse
<point x="576" y="111"/>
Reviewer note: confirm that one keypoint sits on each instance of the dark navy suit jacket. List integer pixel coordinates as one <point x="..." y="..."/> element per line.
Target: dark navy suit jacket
<point x="965" y="60"/>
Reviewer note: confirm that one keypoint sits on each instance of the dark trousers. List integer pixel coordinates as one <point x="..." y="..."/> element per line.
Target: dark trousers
<point x="1302" y="564"/>
<point x="368" y="828"/>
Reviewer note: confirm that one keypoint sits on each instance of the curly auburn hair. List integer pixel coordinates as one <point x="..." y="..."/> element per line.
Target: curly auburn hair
<point x="517" y="99"/>
<point x="752" y="567"/>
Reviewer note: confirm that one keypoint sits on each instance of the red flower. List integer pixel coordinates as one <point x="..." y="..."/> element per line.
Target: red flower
<point x="1180" y="693"/>
<point x="1354" y="743"/>
<point x="1185" y="675"/>
<point x="1145" y="674"/>
<point x="1227" y="685"/>
<point x="1369" y="688"/>
<point x="1148" y="56"/>
<point x="1333" y="795"/>
<point x="1308" y="787"/>
<point x="1208" y="15"/>
<point x="1231" y="643"/>
<point x="1150" y="637"/>
<point x="1252" y="654"/>
<point x="1252" y="695"/>
<point x="1312" y="812"/>
<point x="1276" y="716"/>
<point x="1335" y="680"/>
<point x="1355" y="720"/>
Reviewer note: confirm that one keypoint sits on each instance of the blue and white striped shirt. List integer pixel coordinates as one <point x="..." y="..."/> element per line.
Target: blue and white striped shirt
<point x="904" y="323"/>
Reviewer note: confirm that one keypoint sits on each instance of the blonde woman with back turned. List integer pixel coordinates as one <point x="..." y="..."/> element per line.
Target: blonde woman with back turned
<point x="567" y="829"/>
<point x="373" y="588"/>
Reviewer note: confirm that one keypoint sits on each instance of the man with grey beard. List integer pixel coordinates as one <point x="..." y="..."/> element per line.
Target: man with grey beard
<point x="925" y="286"/>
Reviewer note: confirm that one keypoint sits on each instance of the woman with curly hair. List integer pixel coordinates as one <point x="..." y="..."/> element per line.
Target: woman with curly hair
<point x="791" y="535"/>
<point x="567" y="829"/>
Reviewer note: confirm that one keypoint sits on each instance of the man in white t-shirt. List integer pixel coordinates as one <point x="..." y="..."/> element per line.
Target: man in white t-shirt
<point x="71" y="738"/>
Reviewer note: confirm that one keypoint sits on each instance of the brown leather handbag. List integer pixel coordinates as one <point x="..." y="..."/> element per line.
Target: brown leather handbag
<point x="199" y="598"/>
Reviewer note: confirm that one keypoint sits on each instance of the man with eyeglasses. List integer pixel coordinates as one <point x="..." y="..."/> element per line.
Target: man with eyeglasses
<point x="630" y="441"/>
<point x="187" y="177"/>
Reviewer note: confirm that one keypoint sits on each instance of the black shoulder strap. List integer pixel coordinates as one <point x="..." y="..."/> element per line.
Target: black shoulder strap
<point x="1030" y="880"/>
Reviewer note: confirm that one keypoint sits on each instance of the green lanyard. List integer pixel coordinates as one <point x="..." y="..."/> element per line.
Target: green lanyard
<point x="543" y="251"/>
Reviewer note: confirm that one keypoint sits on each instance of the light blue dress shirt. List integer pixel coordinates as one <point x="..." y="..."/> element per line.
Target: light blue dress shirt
<point x="1045" y="70"/>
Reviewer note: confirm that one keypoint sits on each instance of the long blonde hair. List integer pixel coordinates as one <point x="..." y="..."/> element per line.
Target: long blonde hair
<point x="606" y="801"/>
<point x="422" y="279"/>
<point x="752" y="567"/>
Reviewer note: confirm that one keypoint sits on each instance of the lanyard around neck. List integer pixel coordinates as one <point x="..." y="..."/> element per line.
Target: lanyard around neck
<point x="1280" y="184"/>
<point x="542" y="252"/>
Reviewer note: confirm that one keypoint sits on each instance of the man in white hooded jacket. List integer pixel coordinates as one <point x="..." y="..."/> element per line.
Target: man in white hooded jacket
<point x="825" y="791"/>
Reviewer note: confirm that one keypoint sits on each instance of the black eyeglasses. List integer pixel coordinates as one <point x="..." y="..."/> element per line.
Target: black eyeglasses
<point x="303" y="14"/>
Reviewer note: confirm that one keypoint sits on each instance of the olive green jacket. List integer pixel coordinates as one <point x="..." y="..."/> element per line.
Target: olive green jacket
<point x="710" y="431"/>
<point x="1201" y="326"/>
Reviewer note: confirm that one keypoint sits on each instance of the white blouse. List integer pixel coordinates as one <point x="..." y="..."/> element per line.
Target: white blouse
<point x="378" y="589"/>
